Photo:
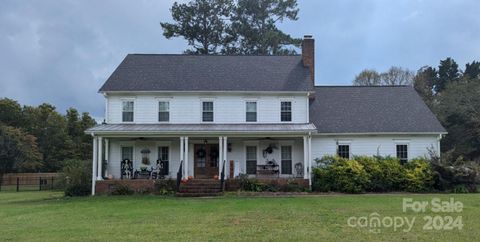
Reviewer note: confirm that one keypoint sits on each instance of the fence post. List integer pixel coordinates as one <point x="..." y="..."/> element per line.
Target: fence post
<point x="18" y="180"/>
<point x="51" y="185"/>
<point x="40" y="183"/>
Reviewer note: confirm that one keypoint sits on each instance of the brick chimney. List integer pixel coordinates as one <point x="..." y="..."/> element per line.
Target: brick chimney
<point x="308" y="55"/>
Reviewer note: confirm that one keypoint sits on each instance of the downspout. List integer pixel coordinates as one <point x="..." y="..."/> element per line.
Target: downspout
<point x="439" y="153"/>
<point x="310" y="159"/>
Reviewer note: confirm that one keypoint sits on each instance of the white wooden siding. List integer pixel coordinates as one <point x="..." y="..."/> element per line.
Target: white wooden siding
<point x="185" y="108"/>
<point x="418" y="145"/>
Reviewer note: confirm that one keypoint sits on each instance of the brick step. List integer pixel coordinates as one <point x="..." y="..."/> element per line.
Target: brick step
<point x="201" y="186"/>
<point x="203" y="182"/>
<point x="208" y="194"/>
<point x="199" y="190"/>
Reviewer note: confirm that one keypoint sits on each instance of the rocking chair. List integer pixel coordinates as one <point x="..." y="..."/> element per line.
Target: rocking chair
<point x="299" y="170"/>
<point x="126" y="169"/>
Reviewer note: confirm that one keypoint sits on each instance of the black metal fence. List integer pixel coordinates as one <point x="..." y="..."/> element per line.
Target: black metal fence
<point x="29" y="183"/>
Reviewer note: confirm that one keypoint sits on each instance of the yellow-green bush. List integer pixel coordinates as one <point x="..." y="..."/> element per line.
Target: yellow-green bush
<point x="338" y="174"/>
<point x="371" y="174"/>
<point x="418" y="176"/>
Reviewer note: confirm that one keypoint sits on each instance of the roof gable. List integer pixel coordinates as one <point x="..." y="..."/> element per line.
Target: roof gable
<point x="158" y="72"/>
<point x="378" y="109"/>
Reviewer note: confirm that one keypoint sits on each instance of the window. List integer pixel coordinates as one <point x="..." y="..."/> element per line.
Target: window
<point x="251" y="159"/>
<point x="402" y="153"/>
<point x="201" y="160"/>
<point x="251" y="111"/>
<point x="207" y="111"/>
<point x="163" y="153"/>
<point x="344" y="151"/>
<point x="127" y="153"/>
<point x="127" y="111"/>
<point x="286" y="156"/>
<point x="163" y="111"/>
<point x="286" y="111"/>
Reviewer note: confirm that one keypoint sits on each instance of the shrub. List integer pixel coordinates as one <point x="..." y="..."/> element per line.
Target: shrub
<point x="456" y="175"/>
<point x="253" y="185"/>
<point x="76" y="178"/>
<point x="338" y="174"/>
<point x="419" y="176"/>
<point x="386" y="173"/>
<point x="374" y="174"/>
<point x="293" y="186"/>
<point x="122" y="189"/>
<point x="165" y="187"/>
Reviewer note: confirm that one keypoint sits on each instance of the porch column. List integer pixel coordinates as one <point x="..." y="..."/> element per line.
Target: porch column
<point x="100" y="158"/>
<point x="305" y="157"/>
<point x="107" y="151"/>
<point x="309" y="160"/>
<point x="186" y="156"/>
<point x="225" y="158"/>
<point x="94" y="164"/>
<point x="220" y="154"/>
<point x="181" y="155"/>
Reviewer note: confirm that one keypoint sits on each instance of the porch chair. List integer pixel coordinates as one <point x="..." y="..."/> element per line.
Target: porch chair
<point x="299" y="170"/>
<point x="157" y="171"/>
<point x="126" y="169"/>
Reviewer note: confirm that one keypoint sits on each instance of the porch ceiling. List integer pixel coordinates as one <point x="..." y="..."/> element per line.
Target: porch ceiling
<point x="200" y="128"/>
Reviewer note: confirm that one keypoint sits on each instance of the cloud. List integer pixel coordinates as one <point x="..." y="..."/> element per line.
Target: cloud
<point x="61" y="52"/>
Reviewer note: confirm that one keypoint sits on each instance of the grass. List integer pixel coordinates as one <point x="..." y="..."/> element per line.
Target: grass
<point x="47" y="216"/>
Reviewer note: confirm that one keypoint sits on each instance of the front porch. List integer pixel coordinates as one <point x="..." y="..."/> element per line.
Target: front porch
<point x="272" y="157"/>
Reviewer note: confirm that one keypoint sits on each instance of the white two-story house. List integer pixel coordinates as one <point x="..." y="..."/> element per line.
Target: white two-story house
<point x="256" y="115"/>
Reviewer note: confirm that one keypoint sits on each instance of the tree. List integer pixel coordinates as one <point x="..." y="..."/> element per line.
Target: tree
<point x="367" y="78"/>
<point x="18" y="151"/>
<point x="459" y="111"/>
<point x="10" y="112"/>
<point x="50" y="128"/>
<point x="202" y="23"/>
<point x="396" y="76"/>
<point x="254" y="25"/>
<point x="85" y="149"/>
<point x="424" y="81"/>
<point x="233" y="27"/>
<point x="472" y="70"/>
<point x="447" y="72"/>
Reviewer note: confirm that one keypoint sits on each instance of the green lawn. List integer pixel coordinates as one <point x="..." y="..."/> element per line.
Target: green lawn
<point x="47" y="216"/>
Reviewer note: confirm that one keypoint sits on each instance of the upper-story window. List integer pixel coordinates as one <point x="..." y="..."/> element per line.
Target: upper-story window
<point x="207" y="111"/>
<point x="127" y="111"/>
<point x="163" y="111"/>
<point x="251" y="111"/>
<point x="286" y="111"/>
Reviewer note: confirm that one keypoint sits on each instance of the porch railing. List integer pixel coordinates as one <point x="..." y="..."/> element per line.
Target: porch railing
<point x="222" y="177"/>
<point x="179" y="175"/>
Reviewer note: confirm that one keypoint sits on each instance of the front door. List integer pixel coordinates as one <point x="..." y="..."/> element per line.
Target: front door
<point x="206" y="160"/>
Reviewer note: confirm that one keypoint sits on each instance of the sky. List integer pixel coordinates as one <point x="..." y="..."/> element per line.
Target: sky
<point x="62" y="51"/>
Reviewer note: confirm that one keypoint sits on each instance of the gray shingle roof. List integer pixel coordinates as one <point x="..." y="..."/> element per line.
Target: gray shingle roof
<point x="384" y="109"/>
<point x="199" y="128"/>
<point x="158" y="72"/>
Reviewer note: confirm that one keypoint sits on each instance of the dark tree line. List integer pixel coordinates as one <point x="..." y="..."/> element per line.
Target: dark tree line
<point x="39" y="138"/>
<point x="452" y="94"/>
<point x="233" y="26"/>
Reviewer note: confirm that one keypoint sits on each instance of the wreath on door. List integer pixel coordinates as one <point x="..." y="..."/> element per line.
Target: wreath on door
<point x="201" y="153"/>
